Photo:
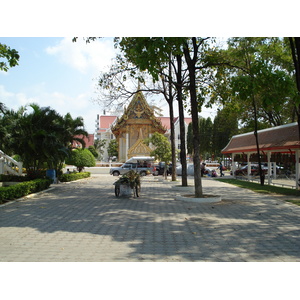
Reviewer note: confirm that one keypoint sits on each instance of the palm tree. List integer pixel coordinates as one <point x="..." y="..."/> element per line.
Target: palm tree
<point x="73" y="131"/>
<point x="36" y="138"/>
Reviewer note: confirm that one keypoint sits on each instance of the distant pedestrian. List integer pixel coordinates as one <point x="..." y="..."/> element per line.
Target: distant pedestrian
<point x="203" y="169"/>
<point x="221" y="169"/>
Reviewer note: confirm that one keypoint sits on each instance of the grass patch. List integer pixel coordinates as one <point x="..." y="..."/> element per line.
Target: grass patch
<point x="265" y="189"/>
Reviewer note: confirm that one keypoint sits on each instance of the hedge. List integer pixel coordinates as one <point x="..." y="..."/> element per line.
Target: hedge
<point x="73" y="176"/>
<point x="22" y="189"/>
<point x="15" y="178"/>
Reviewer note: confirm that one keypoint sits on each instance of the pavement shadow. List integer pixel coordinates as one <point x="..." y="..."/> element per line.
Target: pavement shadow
<point x="159" y="228"/>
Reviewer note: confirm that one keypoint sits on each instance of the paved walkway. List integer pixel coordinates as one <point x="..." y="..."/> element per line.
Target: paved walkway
<point x="84" y="221"/>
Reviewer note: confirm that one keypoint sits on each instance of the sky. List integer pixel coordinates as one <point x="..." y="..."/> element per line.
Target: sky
<point x="58" y="73"/>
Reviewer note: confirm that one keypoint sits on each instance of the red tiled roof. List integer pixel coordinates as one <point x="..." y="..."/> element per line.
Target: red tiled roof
<point x="106" y="121"/>
<point x="165" y="121"/>
<point x="285" y="137"/>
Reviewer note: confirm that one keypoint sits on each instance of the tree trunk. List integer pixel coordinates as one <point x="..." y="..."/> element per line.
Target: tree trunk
<point x="172" y="127"/>
<point x="195" y="121"/>
<point x="261" y="173"/>
<point x="173" y="148"/>
<point x="181" y="122"/>
<point x="295" y="47"/>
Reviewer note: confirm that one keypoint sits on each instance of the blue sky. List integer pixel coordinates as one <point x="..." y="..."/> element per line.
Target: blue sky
<point x="61" y="74"/>
<point x="58" y="73"/>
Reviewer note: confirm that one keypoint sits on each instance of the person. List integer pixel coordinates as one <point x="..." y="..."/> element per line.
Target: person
<point x="221" y="169"/>
<point x="203" y="169"/>
<point x="68" y="171"/>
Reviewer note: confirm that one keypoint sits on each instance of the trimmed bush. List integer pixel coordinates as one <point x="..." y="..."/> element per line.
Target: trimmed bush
<point x="22" y="189"/>
<point x="14" y="178"/>
<point x="73" y="176"/>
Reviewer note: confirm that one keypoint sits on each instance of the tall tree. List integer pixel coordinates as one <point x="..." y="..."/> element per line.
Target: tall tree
<point x="162" y="151"/>
<point x="194" y="50"/>
<point x="224" y="127"/>
<point x="156" y="55"/>
<point x="295" y="48"/>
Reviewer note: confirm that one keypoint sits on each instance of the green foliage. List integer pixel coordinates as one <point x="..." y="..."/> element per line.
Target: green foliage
<point x="10" y="56"/>
<point x="112" y="149"/>
<point x="206" y="134"/>
<point x="73" y="176"/>
<point x="40" y="136"/>
<point x="81" y="158"/>
<point x="22" y="189"/>
<point x="225" y="125"/>
<point x="162" y="146"/>
<point x="266" y="189"/>
<point x="92" y="149"/>
<point x="256" y="71"/>
<point x="14" y="178"/>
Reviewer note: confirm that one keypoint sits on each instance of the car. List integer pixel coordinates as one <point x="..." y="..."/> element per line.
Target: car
<point x="189" y="170"/>
<point x="254" y="170"/>
<point x="142" y="165"/>
<point x="159" y="169"/>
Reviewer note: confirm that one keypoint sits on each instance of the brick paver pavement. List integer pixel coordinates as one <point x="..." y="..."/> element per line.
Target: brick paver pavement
<point x="84" y="221"/>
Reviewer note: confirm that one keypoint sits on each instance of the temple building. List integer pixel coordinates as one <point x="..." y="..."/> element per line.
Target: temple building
<point x="137" y="123"/>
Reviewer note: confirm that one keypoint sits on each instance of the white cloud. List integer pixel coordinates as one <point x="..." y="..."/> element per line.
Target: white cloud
<point x="82" y="56"/>
<point x="78" y="106"/>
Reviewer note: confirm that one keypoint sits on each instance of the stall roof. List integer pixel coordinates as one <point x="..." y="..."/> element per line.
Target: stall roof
<point x="281" y="138"/>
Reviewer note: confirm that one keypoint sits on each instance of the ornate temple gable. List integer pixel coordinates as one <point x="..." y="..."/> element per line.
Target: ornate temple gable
<point x="138" y="112"/>
<point x="139" y="149"/>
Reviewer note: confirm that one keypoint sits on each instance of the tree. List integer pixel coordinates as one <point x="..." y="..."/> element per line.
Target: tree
<point x="162" y="57"/>
<point x="224" y="127"/>
<point x="112" y="149"/>
<point x="255" y="76"/>
<point x="81" y="158"/>
<point x="92" y="149"/>
<point x="99" y="145"/>
<point x="10" y="56"/>
<point x="162" y="151"/>
<point x="295" y="48"/>
<point x="73" y="131"/>
<point x="36" y="138"/>
<point x="206" y="134"/>
<point x="194" y="53"/>
<point x="40" y="136"/>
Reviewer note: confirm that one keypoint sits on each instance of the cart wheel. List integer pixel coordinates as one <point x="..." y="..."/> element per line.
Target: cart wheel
<point x="137" y="190"/>
<point x="117" y="190"/>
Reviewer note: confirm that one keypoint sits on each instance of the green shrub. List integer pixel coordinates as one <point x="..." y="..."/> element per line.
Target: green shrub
<point x="73" y="176"/>
<point x="22" y="189"/>
<point x="14" y="178"/>
<point x="81" y="158"/>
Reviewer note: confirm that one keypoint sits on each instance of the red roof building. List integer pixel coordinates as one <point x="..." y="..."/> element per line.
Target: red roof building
<point x="104" y="124"/>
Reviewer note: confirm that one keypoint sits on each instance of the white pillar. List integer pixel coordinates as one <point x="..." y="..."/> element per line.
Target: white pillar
<point x="269" y="167"/>
<point x="1" y="165"/>
<point x="297" y="169"/>
<point x="274" y="170"/>
<point x="127" y="146"/>
<point x="249" y="165"/>
<point x="233" y="165"/>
